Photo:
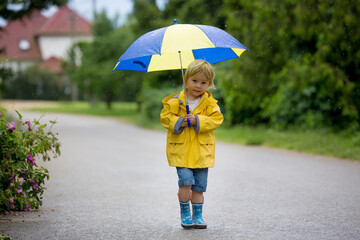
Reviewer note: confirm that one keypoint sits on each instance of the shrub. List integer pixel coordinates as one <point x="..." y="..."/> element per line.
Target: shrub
<point x="242" y="96"/>
<point x="34" y="83"/>
<point x="151" y="104"/>
<point x="21" y="145"/>
<point x="311" y="94"/>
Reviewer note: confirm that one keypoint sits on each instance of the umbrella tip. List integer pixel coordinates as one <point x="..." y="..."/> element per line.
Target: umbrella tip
<point x="175" y="21"/>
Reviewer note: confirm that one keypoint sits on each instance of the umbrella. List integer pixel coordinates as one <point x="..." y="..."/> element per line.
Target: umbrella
<point x="176" y="46"/>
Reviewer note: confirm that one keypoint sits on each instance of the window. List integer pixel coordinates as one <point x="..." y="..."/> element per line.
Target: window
<point x="24" y="44"/>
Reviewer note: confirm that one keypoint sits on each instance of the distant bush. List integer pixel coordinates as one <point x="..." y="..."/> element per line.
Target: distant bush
<point x="151" y="104"/>
<point x="241" y="99"/>
<point x="33" y="83"/>
<point x="311" y="94"/>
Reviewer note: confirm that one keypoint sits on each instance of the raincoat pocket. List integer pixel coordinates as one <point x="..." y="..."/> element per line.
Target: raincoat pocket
<point x="176" y="146"/>
<point x="206" y="138"/>
<point x="177" y="138"/>
<point x="207" y="145"/>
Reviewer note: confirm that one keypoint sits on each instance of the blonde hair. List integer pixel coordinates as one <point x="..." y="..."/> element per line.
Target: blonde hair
<point x="201" y="66"/>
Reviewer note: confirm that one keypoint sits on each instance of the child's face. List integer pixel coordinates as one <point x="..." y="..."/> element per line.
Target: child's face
<point x="196" y="85"/>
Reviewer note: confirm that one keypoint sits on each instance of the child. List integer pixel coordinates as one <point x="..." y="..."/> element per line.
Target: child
<point x="192" y="149"/>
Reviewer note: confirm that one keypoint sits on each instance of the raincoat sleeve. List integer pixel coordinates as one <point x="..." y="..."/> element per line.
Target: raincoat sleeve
<point x="171" y="121"/>
<point x="211" y="120"/>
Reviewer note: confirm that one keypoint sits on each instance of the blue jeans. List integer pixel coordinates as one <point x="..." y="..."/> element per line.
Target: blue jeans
<point x="196" y="177"/>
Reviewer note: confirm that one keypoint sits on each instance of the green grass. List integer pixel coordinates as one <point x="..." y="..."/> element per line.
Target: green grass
<point x="122" y="110"/>
<point x="322" y="142"/>
<point x="126" y="110"/>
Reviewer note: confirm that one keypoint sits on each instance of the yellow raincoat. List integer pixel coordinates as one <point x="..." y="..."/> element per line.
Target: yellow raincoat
<point x="191" y="149"/>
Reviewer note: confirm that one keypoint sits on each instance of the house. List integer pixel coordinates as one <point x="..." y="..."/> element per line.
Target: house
<point x="36" y="39"/>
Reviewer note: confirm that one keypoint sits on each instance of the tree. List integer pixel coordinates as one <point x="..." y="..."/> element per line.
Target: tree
<point x="330" y="30"/>
<point x="25" y="7"/>
<point x="283" y="34"/>
<point x="6" y="74"/>
<point x="204" y="12"/>
<point x="146" y="16"/>
<point x="94" y="76"/>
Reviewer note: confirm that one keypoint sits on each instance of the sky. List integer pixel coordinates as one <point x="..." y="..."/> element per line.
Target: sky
<point x="85" y="8"/>
<point x="112" y="7"/>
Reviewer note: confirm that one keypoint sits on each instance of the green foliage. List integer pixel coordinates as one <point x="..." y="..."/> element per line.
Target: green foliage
<point x="280" y="34"/>
<point x="309" y="45"/>
<point x="94" y="77"/>
<point x="3" y="237"/>
<point x="151" y="101"/>
<point x="156" y="86"/>
<point x="238" y="97"/>
<point x="146" y="16"/>
<point x="103" y="25"/>
<point x="21" y="179"/>
<point x="6" y="74"/>
<point x="26" y="7"/>
<point x="311" y="94"/>
<point x="208" y="12"/>
<point x="33" y="83"/>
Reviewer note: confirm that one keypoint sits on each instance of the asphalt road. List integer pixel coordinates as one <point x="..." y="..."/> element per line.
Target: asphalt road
<point x="112" y="181"/>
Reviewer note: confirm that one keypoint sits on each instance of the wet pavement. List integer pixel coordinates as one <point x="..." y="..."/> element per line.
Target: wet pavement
<point x="112" y="181"/>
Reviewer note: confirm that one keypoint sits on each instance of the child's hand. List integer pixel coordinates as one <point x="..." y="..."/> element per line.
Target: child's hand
<point x="192" y="119"/>
<point x="184" y="123"/>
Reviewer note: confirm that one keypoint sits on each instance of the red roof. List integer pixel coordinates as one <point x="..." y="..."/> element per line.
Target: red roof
<point x="17" y="38"/>
<point x="53" y="64"/>
<point x="65" y="22"/>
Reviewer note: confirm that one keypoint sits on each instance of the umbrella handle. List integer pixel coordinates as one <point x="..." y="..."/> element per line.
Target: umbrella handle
<point x="188" y="111"/>
<point x="187" y="105"/>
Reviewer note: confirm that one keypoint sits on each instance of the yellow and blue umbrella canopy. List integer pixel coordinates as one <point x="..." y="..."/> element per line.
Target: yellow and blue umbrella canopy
<point x="159" y="49"/>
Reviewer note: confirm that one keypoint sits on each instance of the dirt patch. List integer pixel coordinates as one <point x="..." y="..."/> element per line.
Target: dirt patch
<point x="12" y="105"/>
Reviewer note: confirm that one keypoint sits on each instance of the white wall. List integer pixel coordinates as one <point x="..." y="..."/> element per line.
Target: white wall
<point x="58" y="46"/>
<point x="18" y="65"/>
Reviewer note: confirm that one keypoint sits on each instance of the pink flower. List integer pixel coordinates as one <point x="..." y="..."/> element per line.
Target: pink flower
<point x="19" y="191"/>
<point x="27" y="208"/>
<point x="21" y="183"/>
<point x="12" y="177"/>
<point x="28" y="123"/>
<point x="32" y="180"/>
<point x="30" y="159"/>
<point x="35" y="186"/>
<point x="12" y="206"/>
<point x="11" y="200"/>
<point x="10" y="127"/>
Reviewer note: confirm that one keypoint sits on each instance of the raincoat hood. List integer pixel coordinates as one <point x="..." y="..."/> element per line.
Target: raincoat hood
<point x="177" y="100"/>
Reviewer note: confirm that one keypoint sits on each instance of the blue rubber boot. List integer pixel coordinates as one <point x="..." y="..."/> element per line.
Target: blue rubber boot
<point x="186" y="220"/>
<point x="199" y="223"/>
